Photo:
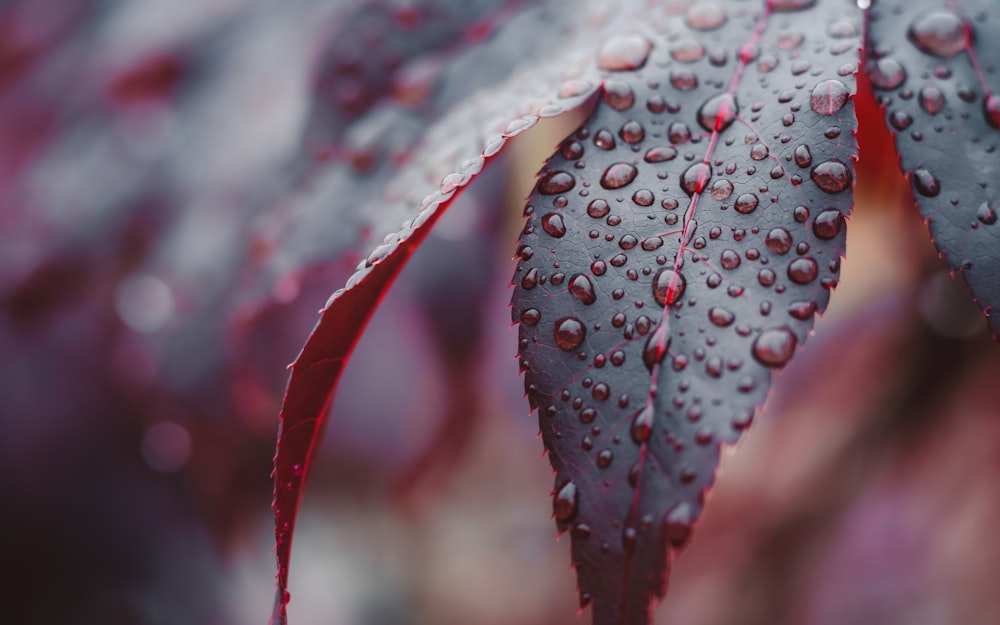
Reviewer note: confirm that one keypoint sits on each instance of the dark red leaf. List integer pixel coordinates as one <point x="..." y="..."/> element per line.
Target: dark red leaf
<point x="677" y="248"/>
<point x="934" y="68"/>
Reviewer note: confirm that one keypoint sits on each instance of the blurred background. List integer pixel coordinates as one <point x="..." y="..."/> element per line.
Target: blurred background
<point x="184" y="182"/>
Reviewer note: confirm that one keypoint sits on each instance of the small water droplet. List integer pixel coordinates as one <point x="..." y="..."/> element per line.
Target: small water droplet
<point x="991" y="110"/>
<point x="642" y="425"/>
<point x="553" y="225"/>
<point x="705" y="16"/>
<point x="618" y="95"/>
<point x="729" y="259"/>
<point x="832" y="176"/>
<point x="925" y="183"/>
<point x="604" y="459"/>
<point x="802" y="310"/>
<point x="660" y="155"/>
<point x="721" y="189"/>
<point x="565" y="503"/>
<point x="720" y="316"/>
<point x="790" y="5"/>
<point x="887" y="74"/>
<point x="604" y="139"/>
<point x="677" y="524"/>
<point x="774" y="347"/>
<point x="683" y="79"/>
<point x="803" y="156"/>
<point x="931" y="100"/>
<point x="530" y="316"/>
<point x="632" y="132"/>
<point x="687" y="51"/>
<point x="569" y="333"/>
<point x="623" y="53"/>
<point x="618" y="175"/>
<point x="828" y="96"/>
<point x="556" y="182"/>
<point x="939" y="32"/>
<point x="655" y="349"/>
<point x="718" y="112"/>
<point x="986" y="215"/>
<point x="778" y="241"/>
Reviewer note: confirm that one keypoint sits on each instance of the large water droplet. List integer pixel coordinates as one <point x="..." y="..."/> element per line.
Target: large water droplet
<point x="718" y="113"/>
<point x="831" y="176"/>
<point x="828" y="97"/>
<point x="774" y="347"/>
<point x="696" y="177"/>
<point x="618" y="175"/>
<point x="828" y="224"/>
<point x="721" y="189"/>
<point x="623" y="53"/>
<point x="802" y="270"/>
<point x="553" y="225"/>
<point x="746" y="203"/>
<point x="668" y="287"/>
<point x="939" y="32"/>
<point x="565" y="503"/>
<point x="569" y="333"/>
<point x="582" y="289"/>
<point x="925" y="183"/>
<point x="556" y="182"/>
<point x="887" y="74"/>
<point x="705" y="16"/>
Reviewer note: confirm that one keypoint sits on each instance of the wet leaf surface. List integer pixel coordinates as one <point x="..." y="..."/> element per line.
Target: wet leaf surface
<point x="677" y="248"/>
<point x="933" y="67"/>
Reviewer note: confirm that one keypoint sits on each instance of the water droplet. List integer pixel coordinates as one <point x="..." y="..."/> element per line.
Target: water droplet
<point x="746" y="203"/>
<point x="802" y="311"/>
<point x="778" y="241"/>
<point x="553" y="225"/>
<point x="695" y="178"/>
<point x="618" y="175"/>
<point x="939" y="32"/>
<point x="530" y="279"/>
<point x="991" y="110"/>
<point x="565" y="503"/>
<point x="677" y="524"/>
<point x="718" y="113"/>
<point x="828" y="224"/>
<point x="720" y="316"/>
<point x="729" y="259"/>
<point x="571" y="150"/>
<point x="790" y="5"/>
<point x="802" y="270"/>
<point x="632" y="132"/>
<point x="721" y="189"/>
<point x="803" y="156"/>
<point x="828" y="96"/>
<point x="925" y="183"/>
<point x="582" y="289"/>
<point x="687" y="51"/>
<point x="642" y="425"/>
<point x="668" y="287"/>
<point x="678" y="132"/>
<point x="774" y="347"/>
<point x="601" y="392"/>
<point x="623" y="53"/>
<point x="660" y="155"/>
<point x="569" y="333"/>
<point x="759" y="152"/>
<point x="887" y="74"/>
<point x="683" y="79"/>
<point x="618" y="95"/>
<point x="705" y="16"/>
<point x="604" y="139"/>
<point x="530" y="316"/>
<point x="931" y="100"/>
<point x="643" y="197"/>
<point x="598" y="208"/>
<point x="655" y="349"/>
<point x="832" y="176"/>
<point x="986" y="215"/>
<point x="604" y="459"/>
<point x="556" y="182"/>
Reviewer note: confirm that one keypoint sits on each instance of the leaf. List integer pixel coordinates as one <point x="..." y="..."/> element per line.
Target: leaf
<point x="451" y="154"/>
<point x="677" y="248"/>
<point x="933" y="66"/>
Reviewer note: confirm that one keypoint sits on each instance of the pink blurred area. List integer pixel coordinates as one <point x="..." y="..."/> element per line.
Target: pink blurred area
<point x="147" y="152"/>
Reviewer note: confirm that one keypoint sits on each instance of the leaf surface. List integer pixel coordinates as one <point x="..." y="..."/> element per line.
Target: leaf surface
<point x="933" y="66"/>
<point x="677" y="248"/>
